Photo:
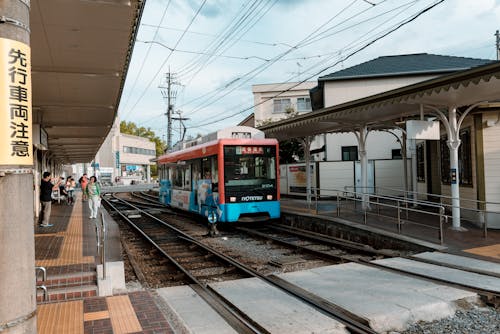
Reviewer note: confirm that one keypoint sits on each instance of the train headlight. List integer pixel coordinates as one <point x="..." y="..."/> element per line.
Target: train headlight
<point x="232" y="199"/>
<point x="269" y="197"/>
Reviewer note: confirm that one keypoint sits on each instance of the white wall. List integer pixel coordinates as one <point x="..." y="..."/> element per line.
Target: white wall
<point x="338" y="92"/>
<point x="379" y="144"/>
<point x="335" y="175"/>
<point x="132" y="158"/>
<point x="390" y="174"/>
<point x="491" y="145"/>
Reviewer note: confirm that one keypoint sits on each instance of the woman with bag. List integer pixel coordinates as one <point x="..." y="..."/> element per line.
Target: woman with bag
<point x="93" y="192"/>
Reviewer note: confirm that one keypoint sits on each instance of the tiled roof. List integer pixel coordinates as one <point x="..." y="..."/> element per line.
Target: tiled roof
<point x="412" y="64"/>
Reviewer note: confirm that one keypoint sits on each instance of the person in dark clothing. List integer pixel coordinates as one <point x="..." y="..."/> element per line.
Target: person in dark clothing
<point x="46" y="188"/>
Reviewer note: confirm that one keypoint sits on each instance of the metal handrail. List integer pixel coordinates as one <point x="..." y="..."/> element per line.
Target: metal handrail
<point x="44" y="272"/>
<point x="429" y="194"/>
<point x="103" y="245"/>
<point x="482" y="212"/>
<point x="45" y="292"/>
<point x="353" y="196"/>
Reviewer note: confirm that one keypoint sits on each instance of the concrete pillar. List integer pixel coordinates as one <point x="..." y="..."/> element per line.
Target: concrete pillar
<point x="453" y="144"/>
<point x="148" y="173"/>
<point x="17" y="248"/>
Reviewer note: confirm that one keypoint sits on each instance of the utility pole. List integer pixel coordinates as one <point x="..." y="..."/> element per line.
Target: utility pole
<point x="169" y="95"/>
<point x="497" y="43"/>
<point x="182" y="127"/>
<point x="17" y="246"/>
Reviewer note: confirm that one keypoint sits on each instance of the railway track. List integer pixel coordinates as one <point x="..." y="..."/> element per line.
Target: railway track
<point x="327" y="247"/>
<point x="313" y="244"/>
<point x="179" y="247"/>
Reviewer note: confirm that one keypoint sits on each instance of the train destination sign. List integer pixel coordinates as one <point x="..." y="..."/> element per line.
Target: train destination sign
<point x="250" y="150"/>
<point x="15" y="103"/>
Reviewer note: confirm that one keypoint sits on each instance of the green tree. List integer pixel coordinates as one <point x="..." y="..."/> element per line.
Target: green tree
<point x="291" y="150"/>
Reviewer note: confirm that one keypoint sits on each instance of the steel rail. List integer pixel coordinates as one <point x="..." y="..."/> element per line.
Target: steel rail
<point x="491" y="295"/>
<point x="234" y="319"/>
<point x="353" y="322"/>
<point x="367" y="249"/>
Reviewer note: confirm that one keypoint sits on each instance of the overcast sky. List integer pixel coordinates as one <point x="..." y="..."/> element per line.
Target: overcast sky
<point x="222" y="48"/>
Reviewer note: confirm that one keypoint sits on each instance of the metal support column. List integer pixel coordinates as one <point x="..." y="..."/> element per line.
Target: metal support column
<point x="307" y="156"/>
<point x="363" y="157"/>
<point x="453" y="144"/>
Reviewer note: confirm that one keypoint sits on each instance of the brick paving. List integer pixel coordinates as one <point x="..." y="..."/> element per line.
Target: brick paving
<point x="148" y="313"/>
<point x="47" y="247"/>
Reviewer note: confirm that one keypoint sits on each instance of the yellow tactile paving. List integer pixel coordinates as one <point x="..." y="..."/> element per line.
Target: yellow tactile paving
<point x="91" y="316"/>
<point x="123" y="317"/>
<point x="60" y="318"/>
<point x="490" y="251"/>
<point x="72" y="248"/>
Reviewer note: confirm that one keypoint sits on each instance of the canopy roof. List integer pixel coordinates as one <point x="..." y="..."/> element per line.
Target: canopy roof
<point x="81" y="51"/>
<point x="458" y="89"/>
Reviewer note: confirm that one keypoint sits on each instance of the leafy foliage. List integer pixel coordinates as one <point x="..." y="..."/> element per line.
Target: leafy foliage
<point x="291" y="150"/>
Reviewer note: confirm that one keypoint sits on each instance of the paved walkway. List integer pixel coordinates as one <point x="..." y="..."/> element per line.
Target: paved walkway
<point x="68" y="251"/>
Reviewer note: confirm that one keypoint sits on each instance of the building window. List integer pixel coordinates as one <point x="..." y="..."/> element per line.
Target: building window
<point x="464" y="159"/>
<point x="396" y="154"/>
<point x="349" y="153"/>
<point x="303" y="104"/>
<point x="280" y="105"/>
<point x="420" y="163"/>
<point x="138" y="150"/>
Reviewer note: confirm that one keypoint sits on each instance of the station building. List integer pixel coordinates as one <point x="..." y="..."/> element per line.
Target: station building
<point x="124" y="158"/>
<point x="454" y="95"/>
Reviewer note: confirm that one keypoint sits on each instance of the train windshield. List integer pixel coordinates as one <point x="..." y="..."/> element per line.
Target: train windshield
<point x="250" y="166"/>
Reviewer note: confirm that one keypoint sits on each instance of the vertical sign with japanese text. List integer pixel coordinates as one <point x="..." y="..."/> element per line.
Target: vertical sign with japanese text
<point x="15" y="103"/>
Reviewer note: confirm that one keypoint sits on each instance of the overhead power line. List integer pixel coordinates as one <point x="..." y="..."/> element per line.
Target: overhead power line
<point x="405" y="22"/>
<point x="168" y="57"/>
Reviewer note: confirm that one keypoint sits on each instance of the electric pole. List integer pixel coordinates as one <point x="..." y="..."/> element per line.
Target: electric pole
<point x="169" y="95"/>
<point x="497" y="43"/>
<point x="182" y="127"/>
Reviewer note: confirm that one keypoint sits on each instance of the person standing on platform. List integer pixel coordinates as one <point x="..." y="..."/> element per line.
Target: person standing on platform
<point x="46" y="188"/>
<point x="70" y="188"/>
<point x="93" y="192"/>
<point x="83" y="184"/>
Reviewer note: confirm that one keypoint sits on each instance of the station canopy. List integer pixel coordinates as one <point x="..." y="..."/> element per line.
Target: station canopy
<point x="459" y="89"/>
<point x="81" y="51"/>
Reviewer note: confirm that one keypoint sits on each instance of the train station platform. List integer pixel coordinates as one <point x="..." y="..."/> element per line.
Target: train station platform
<point x="471" y="242"/>
<point x="68" y="251"/>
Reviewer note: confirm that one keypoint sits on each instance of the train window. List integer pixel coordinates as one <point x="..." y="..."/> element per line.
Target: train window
<point x="251" y="166"/>
<point x="195" y="172"/>
<point x="177" y="177"/>
<point x="187" y="177"/>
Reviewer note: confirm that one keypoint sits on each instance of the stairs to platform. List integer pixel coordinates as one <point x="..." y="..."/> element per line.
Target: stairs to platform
<point x="69" y="286"/>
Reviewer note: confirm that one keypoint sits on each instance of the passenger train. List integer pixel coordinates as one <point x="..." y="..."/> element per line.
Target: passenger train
<point x="231" y="175"/>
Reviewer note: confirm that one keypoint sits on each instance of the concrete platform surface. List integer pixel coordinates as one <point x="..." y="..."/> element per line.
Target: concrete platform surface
<point x="462" y="261"/>
<point x="191" y="314"/>
<point x="273" y="309"/>
<point x="454" y="275"/>
<point x="276" y="310"/>
<point x="389" y="301"/>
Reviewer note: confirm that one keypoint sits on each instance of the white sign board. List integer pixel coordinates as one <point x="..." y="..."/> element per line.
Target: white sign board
<point x="422" y="130"/>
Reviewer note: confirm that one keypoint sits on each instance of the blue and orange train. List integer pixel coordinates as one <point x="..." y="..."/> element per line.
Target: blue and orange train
<point x="231" y="175"/>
